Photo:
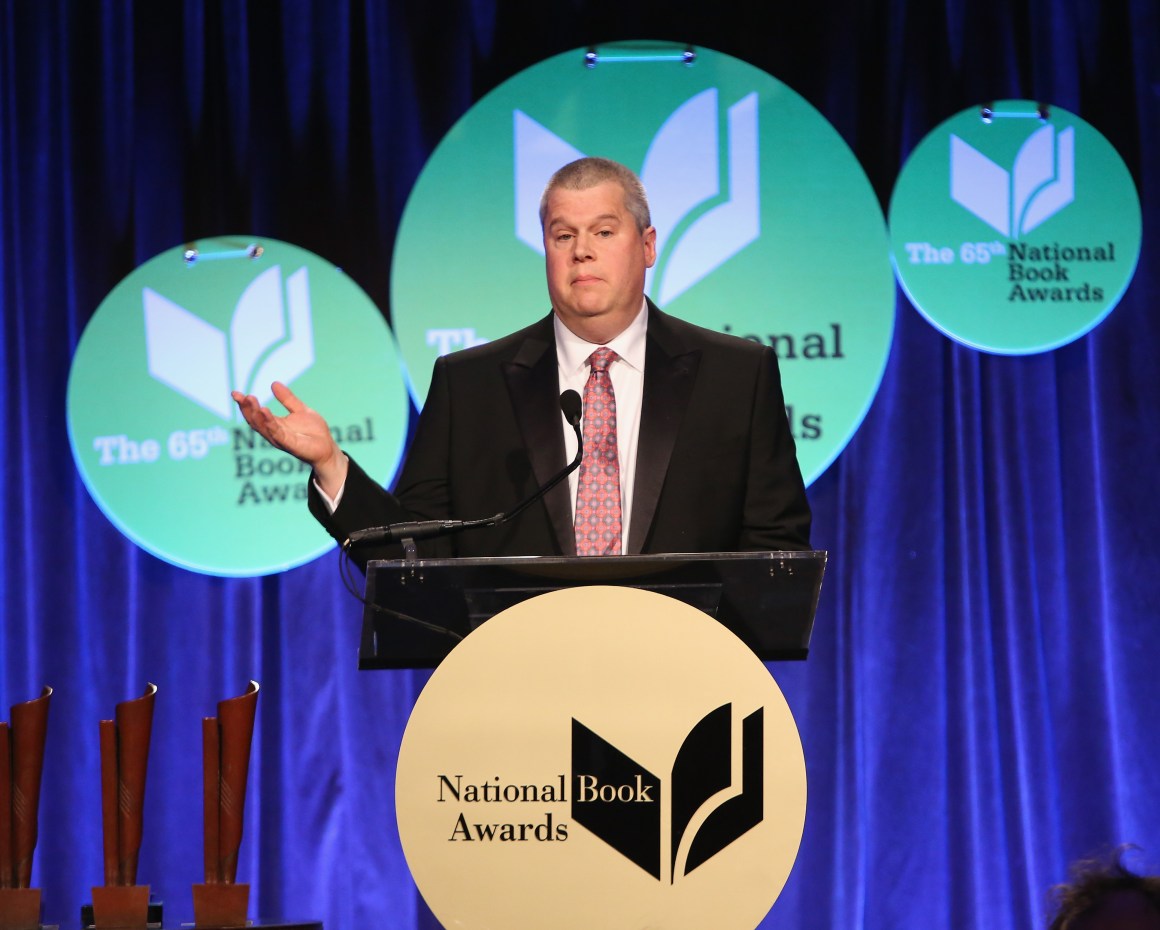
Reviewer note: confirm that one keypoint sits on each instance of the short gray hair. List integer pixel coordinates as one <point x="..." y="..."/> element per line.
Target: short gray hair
<point x="584" y="173"/>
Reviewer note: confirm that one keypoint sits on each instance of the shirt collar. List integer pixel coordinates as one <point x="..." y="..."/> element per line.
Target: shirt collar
<point x="572" y="351"/>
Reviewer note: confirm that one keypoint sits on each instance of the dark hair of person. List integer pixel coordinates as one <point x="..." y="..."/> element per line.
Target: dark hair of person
<point x="1092" y="882"/>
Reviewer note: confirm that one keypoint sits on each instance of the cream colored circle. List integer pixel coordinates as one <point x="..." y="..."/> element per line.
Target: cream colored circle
<point x="638" y="668"/>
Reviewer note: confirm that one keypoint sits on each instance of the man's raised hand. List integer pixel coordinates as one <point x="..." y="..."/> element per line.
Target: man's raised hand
<point x="302" y="432"/>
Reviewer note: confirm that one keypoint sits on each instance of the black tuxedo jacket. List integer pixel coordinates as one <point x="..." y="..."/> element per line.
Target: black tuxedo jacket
<point x="716" y="467"/>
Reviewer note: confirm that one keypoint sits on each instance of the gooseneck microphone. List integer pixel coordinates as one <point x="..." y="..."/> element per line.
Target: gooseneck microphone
<point x="570" y="406"/>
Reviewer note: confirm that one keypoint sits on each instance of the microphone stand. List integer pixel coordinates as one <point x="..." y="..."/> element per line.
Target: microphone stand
<point x="406" y="533"/>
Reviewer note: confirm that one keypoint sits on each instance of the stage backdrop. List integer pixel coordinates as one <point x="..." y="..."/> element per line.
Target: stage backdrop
<point x="980" y="704"/>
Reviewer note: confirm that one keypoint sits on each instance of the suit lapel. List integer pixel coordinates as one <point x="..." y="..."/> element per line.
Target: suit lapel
<point x="670" y="370"/>
<point x="534" y="387"/>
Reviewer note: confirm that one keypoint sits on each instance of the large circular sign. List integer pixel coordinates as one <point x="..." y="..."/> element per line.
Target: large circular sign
<point x="767" y="227"/>
<point x="159" y="442"/>
<point x="1015" y="227"/>
<point x="601" y="757"/>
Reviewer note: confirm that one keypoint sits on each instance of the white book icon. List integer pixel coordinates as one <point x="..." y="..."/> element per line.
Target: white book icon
<point x="270" y="338"/>
<point x="1039" y="185"/>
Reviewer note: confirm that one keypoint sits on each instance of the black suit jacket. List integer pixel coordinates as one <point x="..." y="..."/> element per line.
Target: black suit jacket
<point x="716" y="467"/>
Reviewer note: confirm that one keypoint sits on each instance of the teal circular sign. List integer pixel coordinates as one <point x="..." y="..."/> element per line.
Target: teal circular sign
<point x="156" y="436"/>
<point x="1015" y="228"/>
<point x="767" y="226"/>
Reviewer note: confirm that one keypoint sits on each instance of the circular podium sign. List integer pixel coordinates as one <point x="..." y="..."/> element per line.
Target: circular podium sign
<point x="601" y="757"/>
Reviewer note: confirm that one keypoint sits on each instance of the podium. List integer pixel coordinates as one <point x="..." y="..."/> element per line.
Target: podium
<point x="612" y="751"/>
<point x="417" y="610"/>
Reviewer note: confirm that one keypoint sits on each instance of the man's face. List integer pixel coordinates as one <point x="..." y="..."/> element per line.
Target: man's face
<point x="596" y="260"/>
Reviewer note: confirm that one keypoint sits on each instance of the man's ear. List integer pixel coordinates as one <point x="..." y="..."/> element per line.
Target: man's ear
<point x="650" y="246"/>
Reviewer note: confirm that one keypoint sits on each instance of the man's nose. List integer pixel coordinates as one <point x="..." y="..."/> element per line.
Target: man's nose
<point x="582" y="250"/>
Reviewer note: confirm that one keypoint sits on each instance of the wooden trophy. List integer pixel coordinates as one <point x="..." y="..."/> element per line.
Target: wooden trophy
<point x="122" y="903"/>
<point x="21" y="764"/>
<point x="226" y="739"/>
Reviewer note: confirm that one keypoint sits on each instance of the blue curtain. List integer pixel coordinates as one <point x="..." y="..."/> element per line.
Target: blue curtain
<point x="980" y="705"/>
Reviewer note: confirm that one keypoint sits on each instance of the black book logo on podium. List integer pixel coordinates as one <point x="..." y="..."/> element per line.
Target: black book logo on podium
<point x="620" y="801"/>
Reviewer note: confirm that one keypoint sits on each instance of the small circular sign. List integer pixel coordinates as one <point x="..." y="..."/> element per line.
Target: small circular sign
<point x="601" y="757"/>
<point x="155" y="434"/>
<point x="1015" y="228"/>
<point x="767" y="227"/>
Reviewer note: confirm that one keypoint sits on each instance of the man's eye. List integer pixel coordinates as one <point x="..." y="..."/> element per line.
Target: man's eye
<point x="605" y="234"/>
<point x="563" y="237"/>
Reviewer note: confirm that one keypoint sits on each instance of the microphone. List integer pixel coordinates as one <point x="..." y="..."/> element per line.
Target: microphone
<point x="570" y="406"/>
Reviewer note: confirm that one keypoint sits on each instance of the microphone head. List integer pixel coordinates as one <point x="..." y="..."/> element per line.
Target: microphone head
<point x="570" y="406"/>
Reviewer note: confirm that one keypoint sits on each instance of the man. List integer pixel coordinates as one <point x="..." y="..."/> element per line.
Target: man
<point x="687" y="446"/>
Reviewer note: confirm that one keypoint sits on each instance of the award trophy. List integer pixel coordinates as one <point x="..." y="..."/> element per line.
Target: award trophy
<point x="220" y="902"/>
<point x="21" y="764"/>
<point x="122" y="903"/>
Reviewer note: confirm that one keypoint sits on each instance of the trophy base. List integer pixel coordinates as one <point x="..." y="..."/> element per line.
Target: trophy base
<point x="219" y="904"/>
<point x="121" y="907"/>
<point x="19" y="908"/>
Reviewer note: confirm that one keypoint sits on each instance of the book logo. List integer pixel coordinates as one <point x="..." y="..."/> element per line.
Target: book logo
<point x="1013" y="261"/>
<point x="159" y="442"/>
<point x="1013" y="203"/>
<point x="767" y="227"/>
<point x="270" y="337"/>
<point x="705" y="212"/>
<point x="621" y="802"/>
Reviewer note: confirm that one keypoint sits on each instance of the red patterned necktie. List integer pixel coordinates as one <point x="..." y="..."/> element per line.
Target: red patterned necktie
<point x="598" y="493"/>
